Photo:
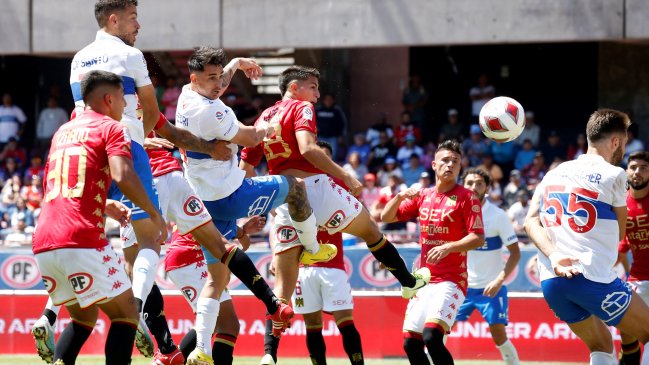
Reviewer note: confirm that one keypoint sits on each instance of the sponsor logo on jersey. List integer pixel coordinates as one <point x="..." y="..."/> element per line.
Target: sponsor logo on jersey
<point x="80" y="282"/>
<point x="50" y="284"/>
<point x="189" y="292"/>
<point x="451" y="201"/>
<point x="219" y="115"/>
<point x="193" y="206"/>
<point x="286" y="234"/>
<point x="21" y="272"/>
<point x="335" y="220"/>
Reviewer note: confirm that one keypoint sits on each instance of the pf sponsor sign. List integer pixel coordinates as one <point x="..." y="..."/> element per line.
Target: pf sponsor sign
<point x="20" y="272"/>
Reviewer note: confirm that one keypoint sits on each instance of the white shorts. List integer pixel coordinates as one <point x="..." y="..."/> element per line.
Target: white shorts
<point x="178" y="203"/>
<point x="333" y="206"/>
<point x="84" y="275"/>
<point x="322" y="288"/>
<point x="641" y="288"/>
<point x="190" y="281"/>
<point x="437" y="302"/>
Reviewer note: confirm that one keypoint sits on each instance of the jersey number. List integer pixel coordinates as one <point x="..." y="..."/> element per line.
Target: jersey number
<point x="577" y="200"/>
<point x="60" y="173"/>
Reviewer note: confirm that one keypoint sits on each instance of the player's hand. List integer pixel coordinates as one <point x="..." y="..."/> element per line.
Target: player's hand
<point x="564" y="265"/>
<point x="436" y="254"/>
<point x="410" y="193"/>
<point x="150" y="143"/>
<point x="355" y="186"/>
<point x="255" y="224"/>
<point x="118" y="211"/>
<point x="221" y="151"/>
<point x="250" y="68"/>
<point x="492" y="289"/>
<point x="161" y="225"/>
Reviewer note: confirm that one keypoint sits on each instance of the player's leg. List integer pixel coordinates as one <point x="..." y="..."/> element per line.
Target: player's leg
<point x="315" y="342"/>
<point x="494" y="311"/>
<point x="351" y="337"/>
<point x="636" y="322"/>
<point x="43" y="330"/>
<point x="207" y="312"/>
<point x="123" y="315"/>
<point x="76" y="333"/>
<point x="442" y="303"/>
<point x="156" y="321"/>
<point x="631" y="352"/>
<point x="227" y="330"/>
<point x="413" y="326"/>
<point x="302" y="217"/>
<point x="307" y="300"/>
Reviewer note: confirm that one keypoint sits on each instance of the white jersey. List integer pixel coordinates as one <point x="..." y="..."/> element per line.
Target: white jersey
<point x="209" y="119"/>
<point x="484" y="264"/>
<point x="109" y="53"/>
<point x="577" y="201"/>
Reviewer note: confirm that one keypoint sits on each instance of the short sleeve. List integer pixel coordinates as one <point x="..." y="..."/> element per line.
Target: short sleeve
<point x="619" y="189"/>
<point x="472" y="214"/>
<point x="136" y="65"/>
<point x="117" y="139"/>
<point x="20" y="115"/>
<point x="252" y="155"/>
<point x="305" y="118"/>
<point x="506" y="230"/>
<point x="219" y="122"/>
<point x="623" y="246"/>
<point x="409" y="209"/>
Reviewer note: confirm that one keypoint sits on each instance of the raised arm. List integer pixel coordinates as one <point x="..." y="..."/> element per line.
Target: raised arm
<point x="184" y="139"/>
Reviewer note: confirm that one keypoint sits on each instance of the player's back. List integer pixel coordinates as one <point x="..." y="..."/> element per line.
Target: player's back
<point x="576" y="206"/>
<point x="77" y="181"/>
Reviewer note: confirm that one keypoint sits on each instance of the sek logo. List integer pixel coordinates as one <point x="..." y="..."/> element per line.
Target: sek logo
<point x="335" y="220"/>
<point x="80" y="282"/>
<point x="189" y="292"/>
<point x="193" y="206"/>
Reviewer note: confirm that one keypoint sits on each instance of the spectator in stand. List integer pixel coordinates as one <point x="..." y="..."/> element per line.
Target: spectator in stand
<point x="492" y="168"/>
<point x="32" y="194"/>
<point x="354" y="166"/>
<point x="424" y="181"/>
<point x="373" y="135"/>
<point x="512" y="188"/>
<point x="525" y="155"/>
<point x="412" y="170"/>
<point x="405" y="151"/>
<point x="390" y="168"/>
<point x="633" y="144"/>
<point x="380" y="152"/>
<point x="35" y="168"/>
<point x="534" y="172"/>
<point x="21" y="212"/>
<point x="18" y="235"/>
<point x="503" y="154"/>
<point x="49" y="121"/>
<point x="331" y="121"/>
<point x="406" y="128"/>
<point x="518" y="211"/>
<point x="415" y="98"/>
<point x="159" y="90"/>
<point x="532" y="131"/>
<point x="480" y="95"/>
<point x="252" y="111"/>
<point x="11" y="190"/>
<point x="5" y="222"/>
<point x="429" y="154"/>
<point x="12" y="120"/>
<point x="475" y="146"/>
<point x="361" y="147"/>
<point x="370" y="191"/>
<point x="170" y="99"/>
<point x="554" y="148"/>
<point x="10" y="169"/>
<point x="453" y="128"/>
<point x="13" y="150"/>
<point x="392" y="188"/>
<point x="578" y="148"/>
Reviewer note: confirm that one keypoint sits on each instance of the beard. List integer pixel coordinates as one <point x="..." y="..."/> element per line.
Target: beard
<point x="618" y="156"/>
<point x="639" y="185"/>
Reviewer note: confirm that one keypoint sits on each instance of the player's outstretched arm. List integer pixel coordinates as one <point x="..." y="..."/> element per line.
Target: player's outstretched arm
<point x="389" y="213"/>
<point x="247" y="65"/>
<point x="184" y="139"/>
<point x="251" y="136"/>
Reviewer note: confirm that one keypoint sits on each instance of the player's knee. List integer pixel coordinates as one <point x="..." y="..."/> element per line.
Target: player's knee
<point x="296" y="188"/>
<point x="412" y="344"/>
<point x="433" y="338"/>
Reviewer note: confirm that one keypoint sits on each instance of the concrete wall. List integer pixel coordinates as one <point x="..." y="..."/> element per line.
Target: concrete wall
<point x="66" y="25"/>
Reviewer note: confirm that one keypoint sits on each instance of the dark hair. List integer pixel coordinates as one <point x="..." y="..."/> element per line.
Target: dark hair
<point x="327" y="145"/>
<point x="414" y="155"/>
<point x="96" y="79"/>
<point x="639" y="155"/>
<point x="205" y="55"/>
<point x="476" y="171"/>
<point x="634" y="129"/>
<point x="104" y="8"/>
<point x="450" y="145"/>
<point x="605" y="122"/>
<point x="295" y="73"/>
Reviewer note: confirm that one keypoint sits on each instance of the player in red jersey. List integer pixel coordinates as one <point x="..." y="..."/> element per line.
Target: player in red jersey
<point x="637" y="241"/>
<point x="450" y="217"/>
<point x="292" y="151"/>
<point x="77" y="264"/>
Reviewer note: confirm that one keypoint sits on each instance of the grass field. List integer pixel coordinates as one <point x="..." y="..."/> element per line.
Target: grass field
<point x="138" y="360"/>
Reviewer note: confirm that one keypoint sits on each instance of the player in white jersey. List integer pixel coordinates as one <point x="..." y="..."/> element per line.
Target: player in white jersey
<point x="577" y="216"/>
<point x="486" y="269"/>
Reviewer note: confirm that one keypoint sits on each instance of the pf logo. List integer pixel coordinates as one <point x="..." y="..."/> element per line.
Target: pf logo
<point x="372" y="273"/>
<point x="50" y="284"/>
<point x="80" y="282"/>
<point x="193" y="206"/>
<point x="20" y="272"/>
<point x="286" y="234"/>
<point x="263" y="266"/>
<point x="335" y="220"/>
<point x="189" y="292"/>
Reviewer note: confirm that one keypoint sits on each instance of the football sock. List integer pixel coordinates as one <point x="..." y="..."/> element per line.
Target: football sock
<point x="308" y="233"/>
<point x="188" y="343"/>
<point x="271" y="343"/>
<point x="433" y="337"/>
<point x="631" y="353"/>
<point x="351" y="340"/>
<point x="387" y="254"/>
<point x="509" y="353"/>
<point x="316" y="345"/>
<point x="223" y="348"/>
<point x="55" y="309"/>
<point x="70" y="342"/>
<point x="50" y="315"/>
<point x="157" y="322"/>
<point x="119" y="343"/>
<point x="413" y="345"/>
<point x="207" y="312"/>
<point x="601" y="358"/>
<point x="242" y="267"/>
<point x="144" y="271"/>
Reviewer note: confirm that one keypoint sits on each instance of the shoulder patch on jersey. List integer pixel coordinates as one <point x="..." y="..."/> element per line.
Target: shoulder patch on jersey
<point x="219" y="115"/>
<point x="477" y="224"/>
<point x="475" y="208"/>
<point x="307" y="113"/>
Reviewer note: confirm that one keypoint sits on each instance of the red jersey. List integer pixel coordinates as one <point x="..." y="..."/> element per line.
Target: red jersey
<point x="183" y="251"/>
<point x="287" y="116"/>
<point x="338" y="261"/>
<point x="637" y="237"/>
<point x="161" y="160"/>
<point x="77" y="178"/>
<point x="444" y="217"/>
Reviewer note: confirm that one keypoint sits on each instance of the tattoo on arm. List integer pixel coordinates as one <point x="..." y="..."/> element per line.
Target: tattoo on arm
<point x="187" y="141"/>
<point x="298" y="205"/>
<point x="228" y="73"/>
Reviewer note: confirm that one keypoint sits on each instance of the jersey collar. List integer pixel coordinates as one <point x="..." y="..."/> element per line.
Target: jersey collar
<point x="102" y="35"/>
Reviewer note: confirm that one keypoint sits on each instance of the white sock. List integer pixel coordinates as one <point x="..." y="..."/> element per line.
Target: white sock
<point x="144" y="272"/>
<point x="207" y="312"/>
<point x="308" y="233"/>
<point x="508" y="352"/>
<point x="54" y="308"/>
<point x="602" y="358"/>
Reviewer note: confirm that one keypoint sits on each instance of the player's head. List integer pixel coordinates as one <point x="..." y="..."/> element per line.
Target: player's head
<point x="476" y="180"/>
<point x="206" y="71"/>
<point x="103" y="92"/>
<point x="637" y="170"/>
<point x="326" y="147"/>
<point x="606" y="131"/>
<point x="448" y="161"/>
<point x="301" y="83"/>
<point x="118" y="18"/>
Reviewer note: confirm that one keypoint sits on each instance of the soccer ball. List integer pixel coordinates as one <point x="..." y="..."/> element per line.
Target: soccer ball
<point x="502" y="119"/>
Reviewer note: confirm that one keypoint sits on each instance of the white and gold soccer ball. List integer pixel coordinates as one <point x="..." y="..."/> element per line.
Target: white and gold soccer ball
<point x="502" y="119"/>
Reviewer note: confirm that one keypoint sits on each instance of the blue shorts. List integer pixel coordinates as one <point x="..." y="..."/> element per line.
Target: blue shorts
<point x="143" y="171"/>
<point x="256" y="196"/>
<point x="576" y="299"/>
<point x="493" y="310"/>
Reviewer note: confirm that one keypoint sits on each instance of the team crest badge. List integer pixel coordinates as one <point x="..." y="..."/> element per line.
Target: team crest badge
<point x="451" y="201"/>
